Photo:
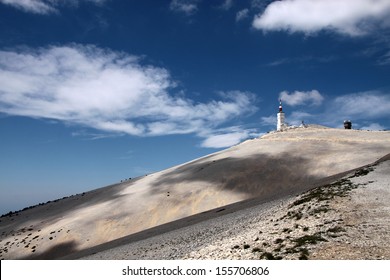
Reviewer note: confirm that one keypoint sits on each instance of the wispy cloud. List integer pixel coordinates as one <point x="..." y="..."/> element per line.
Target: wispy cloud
<point x="32" y="6"/>
<point x="227" y="137"/>
<point x="378" y="50"/>
<point x="188" y="7"/>
<point x="363" y="105"/>
<point x="385" y="59"/>
<point x="43" y="6"/>
<point x="259" y="4"/>
<point x="128" y="155"/>
<point x="108" y="91"/>
<point x="296" y="117"/>
<point x="224" y="140"/>
<point x="270" y="120"/>
<point x="352" y="18"/>
<point x="293" y="118"/>
<point x="241" y="15"/>
<point x="226" y="5"/>
<point x="83" y="134"/>
<point x="302" y="59"/>
<point x="295" y="98"/>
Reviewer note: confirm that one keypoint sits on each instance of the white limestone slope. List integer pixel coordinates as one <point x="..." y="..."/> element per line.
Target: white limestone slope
<point x="271" y="167"/>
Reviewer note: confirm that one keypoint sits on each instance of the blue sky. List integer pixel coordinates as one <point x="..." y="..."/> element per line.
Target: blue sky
<point x="96" y="91"/>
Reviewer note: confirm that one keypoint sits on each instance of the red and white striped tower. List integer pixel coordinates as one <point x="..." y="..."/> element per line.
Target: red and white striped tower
<point x="280" y="124"/>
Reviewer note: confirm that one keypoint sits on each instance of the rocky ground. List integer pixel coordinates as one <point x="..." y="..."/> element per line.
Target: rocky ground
<point x="237" y="201"/>
<point x="348" y="219"/>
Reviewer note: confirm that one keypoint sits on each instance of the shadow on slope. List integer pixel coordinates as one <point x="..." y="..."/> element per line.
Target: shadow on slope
<point x="291" y="181"/>
<point x="259" y="176"/>
<point x="256" y="175"/>
<point x="55" y="252"/>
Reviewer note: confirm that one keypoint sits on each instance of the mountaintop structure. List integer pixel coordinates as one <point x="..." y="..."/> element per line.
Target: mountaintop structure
<point x="280" y="118"/>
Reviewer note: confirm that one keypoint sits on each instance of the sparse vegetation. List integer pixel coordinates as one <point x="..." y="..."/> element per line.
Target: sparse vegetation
<point x="278" y="241"/>
<point x="336" y="229"/>
<point x="324" y="193"/>
<point x="309" y="239"/>
<point x="311" y="204"/>
<point x="287" y="230"/>
<point x="362" y="172"/>
<point x="304" y="254"/>
<point x="269" y="256"/>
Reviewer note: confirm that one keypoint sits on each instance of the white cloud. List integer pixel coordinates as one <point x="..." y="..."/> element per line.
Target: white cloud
<point x="258" y="4"/>
<point x="43" y="6"/>
<point x="33" y="6"/>
<point x="187" y="7"/>
<point x="363" y="105"/>
<point x="270" y="120"/>
<point x="107" y="91"/>
<point x="312" y="97"/>
<point x="297" y="117"/>
<point x="352" y="17"/>
<point x="225" y="140"/>
<point x="242" y="14"/>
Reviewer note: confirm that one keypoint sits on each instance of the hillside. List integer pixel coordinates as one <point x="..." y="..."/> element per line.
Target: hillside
<point x="271" y="167"/>
<point x="346" y="219"/>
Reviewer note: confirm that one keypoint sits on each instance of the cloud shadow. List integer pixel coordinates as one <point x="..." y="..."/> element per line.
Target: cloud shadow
<point x="55" y="252"/>
<point x="254" y="176"/>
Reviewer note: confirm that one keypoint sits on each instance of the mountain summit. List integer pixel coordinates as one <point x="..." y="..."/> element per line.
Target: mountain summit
<point x="273" y="166"/>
